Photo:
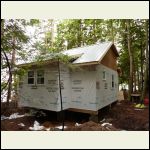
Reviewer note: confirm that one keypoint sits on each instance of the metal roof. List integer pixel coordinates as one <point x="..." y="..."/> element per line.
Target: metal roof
<point x="92" y="53"/>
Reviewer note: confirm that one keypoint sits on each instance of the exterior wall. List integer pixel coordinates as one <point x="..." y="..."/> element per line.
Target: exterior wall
<point x="83" y="89"/>
<point x="105" y="94"/>
<point x="65" y="87"/>
<point x="45" y="96"/>
<point x="110" y="60"/>
<point x="78" y="90"/>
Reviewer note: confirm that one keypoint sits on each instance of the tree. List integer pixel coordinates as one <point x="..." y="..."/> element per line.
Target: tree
<point x="146" y="73"/>
<point x="137" y="45"/>
<point x="130" y="58"/>
<point x="12" y="37"/>
<point x="127" y="34"/>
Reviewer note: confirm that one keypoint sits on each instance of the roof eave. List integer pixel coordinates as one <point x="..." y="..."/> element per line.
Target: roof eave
<point x="36" y="63"/>
<point x="86" y="63"/>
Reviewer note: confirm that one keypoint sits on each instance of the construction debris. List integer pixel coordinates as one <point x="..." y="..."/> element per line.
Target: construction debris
<point x="122" y="117"/>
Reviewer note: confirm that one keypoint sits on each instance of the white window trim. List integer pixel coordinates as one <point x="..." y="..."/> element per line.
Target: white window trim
<point x="37" y="76"/>
<point x="30" y="77"/>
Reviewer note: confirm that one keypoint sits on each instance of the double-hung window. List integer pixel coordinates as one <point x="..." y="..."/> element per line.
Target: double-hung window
<point x="40" y="77"/>
<point x="113" y="81"/>
<point x="36" y="77"/>
<point x="30" y="77"/>
<point x="104" y="75"/>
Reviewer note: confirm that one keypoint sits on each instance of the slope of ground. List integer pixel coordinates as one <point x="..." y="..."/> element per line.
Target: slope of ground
<point x="121" y="116"/>
<point x="124" y="115"/>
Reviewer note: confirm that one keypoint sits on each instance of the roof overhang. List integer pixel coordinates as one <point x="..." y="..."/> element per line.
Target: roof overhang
<point x="73" y="58"/>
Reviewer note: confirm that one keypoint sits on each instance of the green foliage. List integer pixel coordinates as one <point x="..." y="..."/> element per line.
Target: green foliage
<point x="137" y="45"/>
<point x="75" y="33"/>
<point x="21" y="71"/>
<point x="79" y="32"/>
<point x="3" y="85"/>
<point x="13" y="35"/>
<point x="34" y="22"/>
<point x="13" y="38"/>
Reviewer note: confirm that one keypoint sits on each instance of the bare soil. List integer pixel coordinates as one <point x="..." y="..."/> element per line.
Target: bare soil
<point x="124" y="115"/>
<point x="121" y="116"/>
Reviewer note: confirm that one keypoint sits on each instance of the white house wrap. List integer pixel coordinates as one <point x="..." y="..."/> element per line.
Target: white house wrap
<point x="93" y="85"/>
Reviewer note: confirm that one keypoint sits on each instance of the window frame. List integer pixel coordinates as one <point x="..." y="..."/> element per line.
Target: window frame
<point x="104" y="73"/>
<point x="31" y="77"/>
<point x="112" y="81"/>
<point x="40" y="77"/>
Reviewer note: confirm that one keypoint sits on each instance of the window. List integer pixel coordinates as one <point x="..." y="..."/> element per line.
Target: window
<point x="30" y="77"/>
<point x="40" y="77"/>
<point x="105" y="85"/>
<point x="104" y="75"/>
<point x="97" y="85"/>
<point x="112" y="81"/>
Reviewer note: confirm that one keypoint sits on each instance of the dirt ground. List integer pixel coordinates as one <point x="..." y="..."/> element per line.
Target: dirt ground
<point x="125" y="116"/>
<point x="120" y="116"/>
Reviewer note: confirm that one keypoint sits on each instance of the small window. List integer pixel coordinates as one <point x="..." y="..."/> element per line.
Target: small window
<point x="97" y="85"/>
<point x="105" y="86"/>
<point x="104" y="75"/>
<point x="30" y="77"/>
<point x="40" y="77"/>
<point x="112" y="81"/>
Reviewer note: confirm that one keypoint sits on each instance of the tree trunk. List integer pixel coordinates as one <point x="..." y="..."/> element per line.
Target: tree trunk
<point x="138" y="81"/>
<point x="141" y="88"/>
<point x="11" y="71"/>
<point x="94" y="31"/>
<point x="147" y="64"/>
<point x="130" y="58"/>
<point x="60" y="93"/>
<point x="52" y="32"/>
<point x="13" y="62"/>
<point x="112" y="30"/>
<point x="9" y="89"/>
<point x="10" y="77"/>
<point x="134" y="75"/>
<point x="8" y="65"/>
<point x="80" y="42"/>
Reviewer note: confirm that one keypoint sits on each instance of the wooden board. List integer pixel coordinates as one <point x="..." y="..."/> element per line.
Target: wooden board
<point x="83" y="111"/>
<point x="110" y="60"/>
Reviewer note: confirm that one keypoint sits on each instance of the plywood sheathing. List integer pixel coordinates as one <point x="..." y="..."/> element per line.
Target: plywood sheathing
<point x="110" y="59"/>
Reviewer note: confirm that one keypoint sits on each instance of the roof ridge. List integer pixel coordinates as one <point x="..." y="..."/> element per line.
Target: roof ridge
<point x="107" y="48"/>
<point x="87" y="45"/>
